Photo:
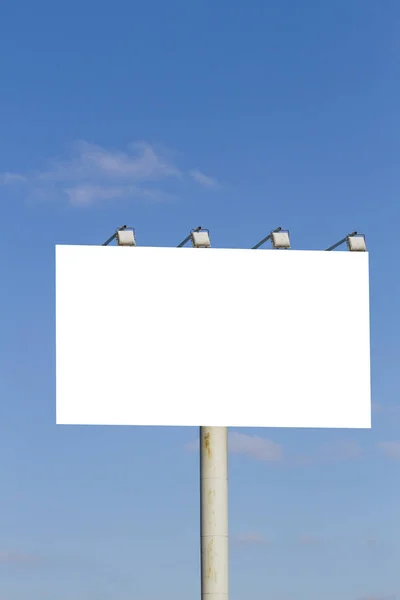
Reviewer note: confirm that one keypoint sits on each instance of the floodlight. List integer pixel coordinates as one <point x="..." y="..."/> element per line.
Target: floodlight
<point x="187" y="238"/>
<point x="200" y="238"/>
<point x="356" y="243"/>
<point x="280" y="239"/>
<point x="126" y="237"/>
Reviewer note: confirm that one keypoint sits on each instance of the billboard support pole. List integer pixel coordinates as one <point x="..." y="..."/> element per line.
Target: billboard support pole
<point x="214" y="513"/>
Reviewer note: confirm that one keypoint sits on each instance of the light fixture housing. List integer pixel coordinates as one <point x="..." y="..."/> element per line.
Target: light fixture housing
<point x="356" y="243"/>
<point x="126" y="237"/>
<point x="280" y="239"/>
<point x="200" y="239"/>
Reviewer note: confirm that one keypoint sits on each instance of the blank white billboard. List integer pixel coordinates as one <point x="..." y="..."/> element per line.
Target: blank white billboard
<point x="218" y="337"/>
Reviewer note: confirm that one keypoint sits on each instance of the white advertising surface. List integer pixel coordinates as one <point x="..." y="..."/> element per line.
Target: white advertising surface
<point x="217" y="337"/>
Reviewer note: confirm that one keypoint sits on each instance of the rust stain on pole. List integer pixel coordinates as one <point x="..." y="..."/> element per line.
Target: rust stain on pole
<point x="211" y="572"/>
<point x="211" y="496"/>
<point x="207" y="444"/>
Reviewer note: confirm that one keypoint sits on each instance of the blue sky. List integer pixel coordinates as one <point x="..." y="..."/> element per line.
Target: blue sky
<point x="168" y="115"/>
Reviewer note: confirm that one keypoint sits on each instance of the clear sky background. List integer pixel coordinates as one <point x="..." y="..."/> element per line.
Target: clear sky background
<point x="167" y="115"/>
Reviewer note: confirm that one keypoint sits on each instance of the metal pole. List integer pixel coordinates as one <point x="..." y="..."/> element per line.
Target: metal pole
<point x="214" y="513"/>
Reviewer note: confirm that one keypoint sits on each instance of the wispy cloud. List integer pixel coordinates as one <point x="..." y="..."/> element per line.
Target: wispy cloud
<point x="377" y="597"/>
<point x="193" y="446"/>
<point x="265" y="450"/>
<point x="8" y="178"/>
<point x="94" y="174"/>
<point x="17" y="558"/>
<point x="75" y="564"/>
<point x="255" y="538"/>
<point x="386" y="409"/>
<point x="342" y="450"/>
<point x="391" y="449"/>
<point x="306" y="541"/>
<point x="253" y="446"/>
<point x="330" y="452"/>
<point x="203" y="179"/>
<point x="310" y="540"/>
<point x="250" y="538"/>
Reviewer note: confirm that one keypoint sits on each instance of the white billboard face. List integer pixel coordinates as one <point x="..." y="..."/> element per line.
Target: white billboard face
<point x="244" y="338"/>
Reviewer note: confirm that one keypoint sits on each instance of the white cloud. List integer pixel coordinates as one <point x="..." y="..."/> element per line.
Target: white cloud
<point x="310" y="540"/>
<point x="193" y="446"/>
<point x="253" y="446"/>
<point x="16" y="558"/>
<point x="251" y="538"/>
<point x="87" y="194"/>
<point x="265" y="450"/>
<point x="342" y="450"/>
<point x="204" y="179"/>
<point x="378" y="597"/>
<point x="391" y="449"/>
<point x="337" y="450"/>
<point x="386" y="409"/>
<point x="93" y="174"/>
<point x="8" y="178"/>
<point x="89" y="161"/>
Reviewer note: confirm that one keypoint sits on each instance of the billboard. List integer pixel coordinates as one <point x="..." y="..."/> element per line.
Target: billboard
<point x="218" y="337"/>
